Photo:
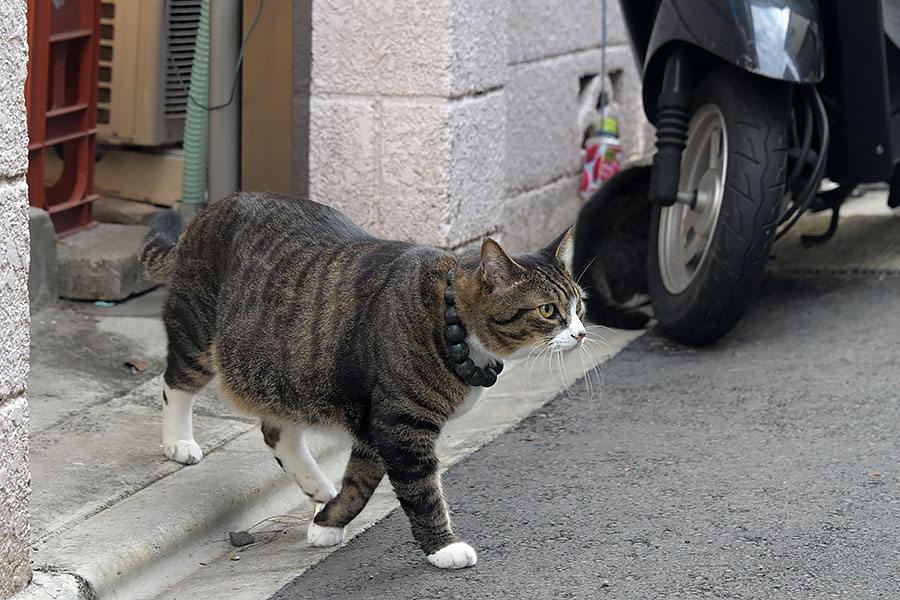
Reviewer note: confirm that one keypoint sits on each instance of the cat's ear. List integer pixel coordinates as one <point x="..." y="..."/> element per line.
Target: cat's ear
<point x="498" y="270"/>
<point x="563" y="248"/>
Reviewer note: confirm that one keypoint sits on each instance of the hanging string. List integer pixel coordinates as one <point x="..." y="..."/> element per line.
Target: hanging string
<point x="603" y="66"/>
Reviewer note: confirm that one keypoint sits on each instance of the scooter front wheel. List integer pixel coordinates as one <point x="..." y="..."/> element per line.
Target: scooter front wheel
<point x="707" y="257"/>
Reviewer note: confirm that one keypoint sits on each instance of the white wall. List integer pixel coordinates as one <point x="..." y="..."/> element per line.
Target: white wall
<point x="446" y="121"/>
<point x="15" y="566"/>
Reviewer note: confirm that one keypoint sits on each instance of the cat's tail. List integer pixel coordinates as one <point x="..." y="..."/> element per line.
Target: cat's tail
<point x="156" y="252"/>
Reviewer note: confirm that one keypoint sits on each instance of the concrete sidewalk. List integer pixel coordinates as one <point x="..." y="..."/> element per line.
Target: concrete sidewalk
<point x="112" y="518"/>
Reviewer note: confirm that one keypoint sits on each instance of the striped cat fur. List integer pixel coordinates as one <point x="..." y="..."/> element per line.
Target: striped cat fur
<point x="310" y="322"/>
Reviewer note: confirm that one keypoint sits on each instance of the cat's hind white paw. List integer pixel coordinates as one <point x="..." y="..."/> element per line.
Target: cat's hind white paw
<point x="458" y="555"/>
<point x="320" y="536"/>
<point x="187" y="452"/>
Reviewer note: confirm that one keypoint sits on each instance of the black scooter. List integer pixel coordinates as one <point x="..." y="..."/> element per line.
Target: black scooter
<point x="755" y="102"/>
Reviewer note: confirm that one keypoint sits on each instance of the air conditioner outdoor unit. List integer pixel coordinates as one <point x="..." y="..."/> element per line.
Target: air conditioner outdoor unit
<point x="146" y="52"/>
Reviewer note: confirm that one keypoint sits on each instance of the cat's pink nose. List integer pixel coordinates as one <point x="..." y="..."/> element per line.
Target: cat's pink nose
<point x="580" y="336"/>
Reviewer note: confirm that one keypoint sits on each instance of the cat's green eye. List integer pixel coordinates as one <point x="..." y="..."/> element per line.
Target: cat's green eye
<point x="547" y="310"/>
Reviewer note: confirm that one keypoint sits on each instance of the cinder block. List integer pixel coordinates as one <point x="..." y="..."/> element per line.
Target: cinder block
<point x="400" y="47"/>
<point x="102" y="263"/>
<point x="478" y="44"/>
<point x="15" y="489"/>
<point x="152" y="177"/>
<point x="540" y="29"/>
<point x="13" y="70"/>
<point x="415" y="150"/>
<point x="14" y="318"/>
<point x="342" y="160"/>
<point x="125" y="212"/>
<point x="532" y="220"/>
<point x="476" y="174"/>
<point x="542" y="135"/>
<point x="43" y="272"/>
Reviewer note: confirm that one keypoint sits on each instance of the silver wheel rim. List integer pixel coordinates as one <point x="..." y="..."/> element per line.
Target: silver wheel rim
<point x="685" y="231"/>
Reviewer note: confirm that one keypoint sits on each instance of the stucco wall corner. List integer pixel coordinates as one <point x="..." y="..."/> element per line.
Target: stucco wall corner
<point x="14" y="317"/>
<point x="15" y="480"/>
<point x="342" y="161"/>
<point x="415" y="149"/>
<point x="478" y="42"/>
<point x="13" y="70"/>
<point x="15" y="483"/>
<point x="477" y="131"/>
<point x="394" y="48"/>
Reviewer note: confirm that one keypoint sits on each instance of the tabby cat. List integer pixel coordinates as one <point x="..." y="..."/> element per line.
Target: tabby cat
<point x="610" y="256"/>
<point x="310" y="322"/>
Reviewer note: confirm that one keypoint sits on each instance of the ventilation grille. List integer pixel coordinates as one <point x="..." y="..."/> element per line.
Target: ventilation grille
<point x="104" y="86"/>
<point x="183" y="20"/>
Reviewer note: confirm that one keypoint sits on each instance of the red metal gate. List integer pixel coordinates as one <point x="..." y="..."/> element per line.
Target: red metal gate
<point x="61" y="97"/>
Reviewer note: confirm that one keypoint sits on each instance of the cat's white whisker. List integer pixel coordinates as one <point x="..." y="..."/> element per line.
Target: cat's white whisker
<point x="598" y="368"/>
<point x="562" y="366"/>
<point x="600" y="341"/>
<point x="586" y="267"/>
<point x="564" y="374"/>
<point x="587" y="373"/>
<point x="598" y="371"/>
<point x="543" y="349"/>
<point x="584" y="369"/>
<point x="609" y="329"/>
<point x="594" y="334"/>
<point x="530" y="354"/>
<point x="556" y="385"/>
<point x="562" y="377"/>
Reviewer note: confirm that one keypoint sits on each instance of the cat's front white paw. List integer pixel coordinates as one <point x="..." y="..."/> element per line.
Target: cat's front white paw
<point x="320" y="536"/>
<point x="458" y="555"/>
<point x="322" y="492"/>
<point x="187" y="452"/>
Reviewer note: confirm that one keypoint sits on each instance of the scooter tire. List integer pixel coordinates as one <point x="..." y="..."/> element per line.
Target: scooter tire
<point x="755" y="113"/>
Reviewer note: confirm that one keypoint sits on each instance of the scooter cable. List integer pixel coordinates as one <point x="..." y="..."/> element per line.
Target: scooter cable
<point x="804" y="149"/>
<point x="812" y="184"/>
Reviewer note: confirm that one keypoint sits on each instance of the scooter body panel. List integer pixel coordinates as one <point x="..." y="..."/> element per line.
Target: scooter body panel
<point x="776" y="39"/>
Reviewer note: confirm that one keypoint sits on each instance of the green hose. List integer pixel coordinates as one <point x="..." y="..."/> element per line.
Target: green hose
<point x="196" y="123"/>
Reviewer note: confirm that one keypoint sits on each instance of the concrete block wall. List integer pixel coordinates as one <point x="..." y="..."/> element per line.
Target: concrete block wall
<point x="555" y="59"/>
<point x="15" y="565"/>
<point x="447" y="121"/>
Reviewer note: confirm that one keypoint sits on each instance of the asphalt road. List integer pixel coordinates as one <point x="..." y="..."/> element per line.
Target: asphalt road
<point x="765" y="466"/>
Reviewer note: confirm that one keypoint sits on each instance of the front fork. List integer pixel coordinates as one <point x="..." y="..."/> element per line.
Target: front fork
<point x="672" y="116"/>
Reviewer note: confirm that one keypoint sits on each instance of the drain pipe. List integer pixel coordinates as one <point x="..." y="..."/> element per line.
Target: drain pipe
<point x="224" y="122"/>
<point x="196" y="125"/>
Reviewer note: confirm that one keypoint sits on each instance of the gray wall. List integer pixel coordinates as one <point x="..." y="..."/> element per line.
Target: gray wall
<point x="15" y="567"/>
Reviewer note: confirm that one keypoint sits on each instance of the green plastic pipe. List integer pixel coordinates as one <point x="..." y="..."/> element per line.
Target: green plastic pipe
<point x="196" y="124"/>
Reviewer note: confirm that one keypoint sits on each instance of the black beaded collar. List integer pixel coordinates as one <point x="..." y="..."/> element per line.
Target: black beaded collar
<point x="455" y="334"/>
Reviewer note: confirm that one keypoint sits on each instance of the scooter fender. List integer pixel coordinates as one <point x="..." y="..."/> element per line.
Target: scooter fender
<point x="779" y="39"/>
